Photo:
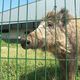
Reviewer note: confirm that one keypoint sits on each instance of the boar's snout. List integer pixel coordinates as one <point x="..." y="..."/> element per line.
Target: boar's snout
<point x="24" y="43"/>
<point x="27" y="42"/>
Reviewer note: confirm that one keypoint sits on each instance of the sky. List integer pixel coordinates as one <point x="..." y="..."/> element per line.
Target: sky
<point x="22" y="2"/>
<point x="70" y="4"/>
<point x="14" y="3"/>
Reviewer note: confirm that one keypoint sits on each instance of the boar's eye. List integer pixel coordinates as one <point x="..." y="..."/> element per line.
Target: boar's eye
<point x="50" y="23"/>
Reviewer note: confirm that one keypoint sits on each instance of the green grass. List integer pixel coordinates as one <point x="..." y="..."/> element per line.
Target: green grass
<point x="24" y="65"/>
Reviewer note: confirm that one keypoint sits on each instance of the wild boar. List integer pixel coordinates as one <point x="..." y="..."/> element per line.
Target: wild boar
<point x="59" y="33"/>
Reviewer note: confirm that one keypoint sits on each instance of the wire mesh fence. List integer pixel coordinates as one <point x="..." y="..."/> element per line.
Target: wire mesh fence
<point x="40" y="40"/>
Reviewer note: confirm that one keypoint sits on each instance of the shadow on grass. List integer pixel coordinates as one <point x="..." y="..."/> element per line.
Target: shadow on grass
<point x="49" y="73"/>
<point x="12" y="41"/>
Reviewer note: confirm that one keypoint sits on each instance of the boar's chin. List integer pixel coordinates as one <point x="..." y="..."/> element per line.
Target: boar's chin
<point x="23" y="46"/>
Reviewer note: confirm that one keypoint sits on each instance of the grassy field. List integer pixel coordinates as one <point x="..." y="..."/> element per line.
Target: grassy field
<point x="18" y="64"/>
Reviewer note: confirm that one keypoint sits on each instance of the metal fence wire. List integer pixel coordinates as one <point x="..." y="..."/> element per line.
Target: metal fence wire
<point x="40" y="40"/>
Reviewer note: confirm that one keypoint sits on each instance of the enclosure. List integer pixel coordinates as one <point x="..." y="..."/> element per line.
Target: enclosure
<point x="21" y="17"/>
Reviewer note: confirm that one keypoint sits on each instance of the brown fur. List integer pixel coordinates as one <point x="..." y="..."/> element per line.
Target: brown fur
<point x="65" y="34"/>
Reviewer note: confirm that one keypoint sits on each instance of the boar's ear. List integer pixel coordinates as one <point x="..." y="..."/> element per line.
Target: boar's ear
<point x="50" y="14"/>
<point x="63" y="16"/>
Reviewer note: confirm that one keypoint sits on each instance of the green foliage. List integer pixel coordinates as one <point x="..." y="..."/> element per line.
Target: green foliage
<point x="3" y="43"/>
<point x="28" y="70"/>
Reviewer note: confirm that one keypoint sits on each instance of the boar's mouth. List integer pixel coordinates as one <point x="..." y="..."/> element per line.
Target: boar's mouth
<point x="28" y="45"/>
<point x="23" y="44"/>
